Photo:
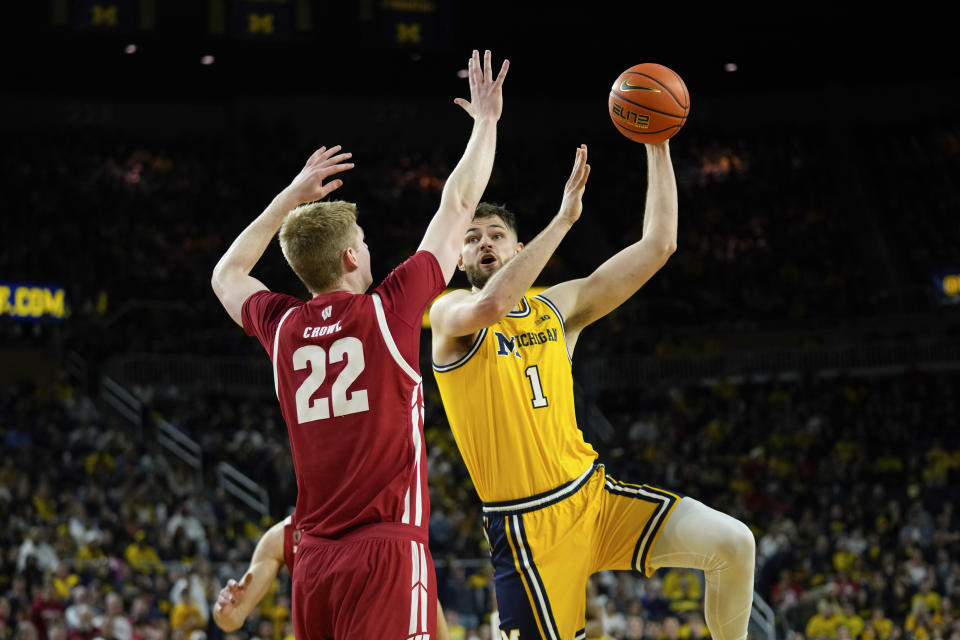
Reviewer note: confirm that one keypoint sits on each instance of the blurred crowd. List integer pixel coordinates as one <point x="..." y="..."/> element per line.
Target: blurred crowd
<point x="849" y="485"/>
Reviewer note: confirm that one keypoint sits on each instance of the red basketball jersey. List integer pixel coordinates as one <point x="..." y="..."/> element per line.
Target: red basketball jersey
<point x="347" y="375"/>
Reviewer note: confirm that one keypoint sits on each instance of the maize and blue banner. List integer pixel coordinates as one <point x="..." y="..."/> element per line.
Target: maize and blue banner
<point x="25" y="301"/>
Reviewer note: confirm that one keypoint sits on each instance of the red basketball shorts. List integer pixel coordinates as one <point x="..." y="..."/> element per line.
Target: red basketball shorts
<point x="375" y="583"/>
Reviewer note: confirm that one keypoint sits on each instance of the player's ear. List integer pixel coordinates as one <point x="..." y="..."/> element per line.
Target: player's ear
<point x="519" y="247"/>
<point x="350" y="259"/>
<point x="460" y="262"/>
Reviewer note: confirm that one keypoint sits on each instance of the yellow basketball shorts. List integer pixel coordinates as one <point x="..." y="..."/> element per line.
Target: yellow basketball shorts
<point x="544" y="548"/>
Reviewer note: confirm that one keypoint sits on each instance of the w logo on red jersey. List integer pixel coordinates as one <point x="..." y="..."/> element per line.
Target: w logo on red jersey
<point x="327" y="312"/>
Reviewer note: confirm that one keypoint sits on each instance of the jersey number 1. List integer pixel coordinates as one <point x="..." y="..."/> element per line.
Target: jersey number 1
<point x="538" y="399"/>
<point x="316" y="357"/>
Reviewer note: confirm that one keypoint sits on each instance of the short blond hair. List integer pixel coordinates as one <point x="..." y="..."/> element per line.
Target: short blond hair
<point x="314" y="236"/>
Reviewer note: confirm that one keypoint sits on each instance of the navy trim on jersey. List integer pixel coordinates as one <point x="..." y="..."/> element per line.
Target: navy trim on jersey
<point x="563" y="325"/>
<point x="581" y="634"/>
<point x="541" y="500"/>
<point x="550" y="304"/>
<point x="442" y="368"/>
<point x="524" y="309"/>
<point x="664" y="502"/>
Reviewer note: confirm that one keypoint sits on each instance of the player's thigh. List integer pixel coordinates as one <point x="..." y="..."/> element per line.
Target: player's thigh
<point x="375" y="589"/>
<point x="398" y="597"/>
<point x="540" y="572"/>
<point x="311" y="606"/>
<point x="631" y="518"/>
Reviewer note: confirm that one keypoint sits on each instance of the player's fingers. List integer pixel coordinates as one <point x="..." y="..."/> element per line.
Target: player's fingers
<point x="487" y="66"/>
<point x="335" y="168"/>
<point x="245" y="581"/>
<point x="337" y="159"/>
<point x="577" y="162"/>
<point x="316" y="154"/>
<point x="231" y="583"/>
<point x="474" y="70"/>
<point x="576" y="174"/>
<point x="503" y="74"/>
<point x="465" y="104"/>
<point x="329" y="152"/>
<point x="329" y="188"/>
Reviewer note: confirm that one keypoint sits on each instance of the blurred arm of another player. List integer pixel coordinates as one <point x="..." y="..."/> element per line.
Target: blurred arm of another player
<point x="237" y="599"/>
<point x="468" y="180"/>
<point x="586" y="300"/>
<point x="232" y="282"/>
<point x="462" y="313"/>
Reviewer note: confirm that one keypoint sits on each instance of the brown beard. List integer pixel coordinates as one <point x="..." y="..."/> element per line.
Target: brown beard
<point x="475" y="277"/>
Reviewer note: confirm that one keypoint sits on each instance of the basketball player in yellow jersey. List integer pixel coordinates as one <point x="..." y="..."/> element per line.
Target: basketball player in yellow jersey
<point x="552" y="515"/>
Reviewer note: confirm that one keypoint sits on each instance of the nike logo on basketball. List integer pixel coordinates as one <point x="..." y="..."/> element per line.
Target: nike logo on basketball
<point x="626" y="86"/>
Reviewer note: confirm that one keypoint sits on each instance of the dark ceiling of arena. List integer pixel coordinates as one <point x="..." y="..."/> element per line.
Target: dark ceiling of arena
<point x="557" y="52"/>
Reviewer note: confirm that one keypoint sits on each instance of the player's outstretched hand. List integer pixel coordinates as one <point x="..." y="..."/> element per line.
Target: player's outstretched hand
<point x="309" y="185"/>
<point x="225" y="611"/>
<point x="486" y="94"/>
<point x="572" y="205"/>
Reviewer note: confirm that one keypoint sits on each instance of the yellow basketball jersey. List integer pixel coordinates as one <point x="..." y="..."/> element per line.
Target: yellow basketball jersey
<point x="510" y="405"/>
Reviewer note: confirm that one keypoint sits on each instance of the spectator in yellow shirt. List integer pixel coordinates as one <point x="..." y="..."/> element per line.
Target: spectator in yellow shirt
<point x="824" y="624"/>
<point x="878" y="627"/>
<point x="186" y="615"/>
<point x="930" y="597"/>
<point x="142" y="557"/>
<point x="64" y="580"/>
<point x="682" y="588"/>
<point x="852" y="620"/>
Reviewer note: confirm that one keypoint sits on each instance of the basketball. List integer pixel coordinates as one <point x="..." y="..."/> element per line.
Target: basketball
<point x="649" y="103"/>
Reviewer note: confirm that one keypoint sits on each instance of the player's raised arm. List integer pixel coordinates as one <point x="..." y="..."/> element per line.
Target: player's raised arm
<point x="587" y="299"/>
<point x="461" y="314"/>
<point x="232" y="282"/>
<point x="469" y="178"/>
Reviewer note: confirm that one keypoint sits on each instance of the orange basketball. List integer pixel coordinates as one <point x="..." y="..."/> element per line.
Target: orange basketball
<point x="649" y="103"/>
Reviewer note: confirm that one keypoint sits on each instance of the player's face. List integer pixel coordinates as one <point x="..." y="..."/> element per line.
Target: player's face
<point x="487" y="246"/>
<point x="363" y="254"/>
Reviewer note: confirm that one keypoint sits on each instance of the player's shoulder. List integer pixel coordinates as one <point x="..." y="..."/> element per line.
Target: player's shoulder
<point x="266" y="300"/>
<point x="422" y="260"/>
<point x="447" y="298"/>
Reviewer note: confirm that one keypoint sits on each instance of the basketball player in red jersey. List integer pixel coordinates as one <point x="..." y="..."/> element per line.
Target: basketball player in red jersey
<point x="276" y="548"/>
<point x="345" y="368"/>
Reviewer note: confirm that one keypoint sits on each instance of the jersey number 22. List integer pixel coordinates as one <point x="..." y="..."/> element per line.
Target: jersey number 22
<point x="344" y="402"/>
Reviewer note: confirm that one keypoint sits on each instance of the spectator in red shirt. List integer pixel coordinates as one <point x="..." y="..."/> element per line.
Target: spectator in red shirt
<point x="47" y="609"/>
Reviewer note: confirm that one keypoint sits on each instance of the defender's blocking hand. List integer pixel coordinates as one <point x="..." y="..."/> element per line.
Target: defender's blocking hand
<point x="308" y="185"/>
<point x="486" y="94"/>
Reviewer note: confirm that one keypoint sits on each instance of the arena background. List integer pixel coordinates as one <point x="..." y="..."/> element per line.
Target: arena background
<point x="795" y="363"/>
